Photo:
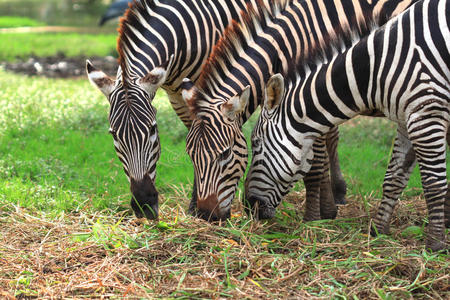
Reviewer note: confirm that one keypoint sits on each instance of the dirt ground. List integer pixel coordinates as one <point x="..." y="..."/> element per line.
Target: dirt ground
<point x="60" y="67"/>
<point x="84" y="256"/>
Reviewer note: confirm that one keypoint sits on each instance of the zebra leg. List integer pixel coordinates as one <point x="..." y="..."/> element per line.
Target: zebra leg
<point x="328" y="208"/>
<point x="337" y="180"/>
<point x="447" y="197"/>
<point x="313" y="180"/>
<point x="402" y="163"/>
<point x="430" y="149"/>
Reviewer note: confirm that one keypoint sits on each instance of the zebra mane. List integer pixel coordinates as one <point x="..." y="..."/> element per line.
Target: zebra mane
<point x="129" y="19"/>
<point x="237" y="35"/>
<point x="333" y="45"/>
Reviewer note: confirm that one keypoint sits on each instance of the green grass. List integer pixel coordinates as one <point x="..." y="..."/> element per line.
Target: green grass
<point x="23" y="45"/>
<point x="66" y="231"/>
<point x="54" y="144"/>
<point x="11" y="22"/>
<point x="364" y="152"/>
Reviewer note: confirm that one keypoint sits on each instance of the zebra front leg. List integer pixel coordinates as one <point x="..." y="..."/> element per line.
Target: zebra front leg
<point x="319" y="203"/>
<point x="337" y="179"/>
<point x="400" y="167"/>
<point x="328" y="208"/>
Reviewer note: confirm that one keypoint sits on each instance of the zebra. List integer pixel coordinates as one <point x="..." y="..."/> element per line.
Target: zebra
<point x="230" y="86"/>
<point x="401" y="70"/>
<point x="160" y="43"/>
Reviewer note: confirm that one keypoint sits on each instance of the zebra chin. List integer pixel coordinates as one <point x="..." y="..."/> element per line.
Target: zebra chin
<point x="145" y="198"/>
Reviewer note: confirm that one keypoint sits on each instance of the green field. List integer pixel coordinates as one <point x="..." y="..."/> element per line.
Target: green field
<point x="20" y="46"/>
<point x="54" y="141"/>
<point x="11" y="22"/>
<point x="67" y="229"/>
<point x="63" y="188"/>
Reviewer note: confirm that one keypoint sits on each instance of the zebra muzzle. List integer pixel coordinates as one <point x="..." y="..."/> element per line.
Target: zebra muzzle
<point x="145" y="198"/>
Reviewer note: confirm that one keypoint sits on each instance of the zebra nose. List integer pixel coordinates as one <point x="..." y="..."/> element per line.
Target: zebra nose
<point x="208" y="209"/>
<point x="145" y="198"/>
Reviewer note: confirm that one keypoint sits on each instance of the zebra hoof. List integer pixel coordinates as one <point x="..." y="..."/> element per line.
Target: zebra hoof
<point x="339" y="192"/>
<point x="328" y="215"/>
<point x="310" y="218"/>
<point x="375" y="230"/>
<point x="436" y="244"/>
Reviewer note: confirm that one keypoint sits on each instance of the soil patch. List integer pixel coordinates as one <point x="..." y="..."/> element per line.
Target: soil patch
<point x="60" y="66"/>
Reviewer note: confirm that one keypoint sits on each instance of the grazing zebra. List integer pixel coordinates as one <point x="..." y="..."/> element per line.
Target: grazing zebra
<point x="268" y="40"/>
<point x="402" y="70"/>
<point x="160" y="43"/>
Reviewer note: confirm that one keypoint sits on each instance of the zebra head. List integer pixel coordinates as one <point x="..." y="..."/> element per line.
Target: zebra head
<point x="217" y="149"/>
<point x="277" y="159"/>
<point x="133" y="127"/>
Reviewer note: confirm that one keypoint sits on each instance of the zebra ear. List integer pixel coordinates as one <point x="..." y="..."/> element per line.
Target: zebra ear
<point x="274" y="91"/>
<point x="156" y="77"/>
<point x="236" y="105"/>
<point x="102" y="81"/>
<point x="188" y="92"/>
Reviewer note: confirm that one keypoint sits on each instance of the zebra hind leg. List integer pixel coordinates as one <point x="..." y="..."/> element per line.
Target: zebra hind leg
<point x="397" y="175"/>
<point x="338" y="184"/>
<point x="430" y="149"/>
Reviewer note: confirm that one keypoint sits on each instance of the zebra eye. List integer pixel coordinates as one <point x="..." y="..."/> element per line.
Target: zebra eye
<point x="225" y="154"/>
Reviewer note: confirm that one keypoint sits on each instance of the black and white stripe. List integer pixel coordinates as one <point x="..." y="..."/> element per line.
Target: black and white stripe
<point x="402" y="70"/>
<point x="160" y="43"/>
<point x="230" y="86"/>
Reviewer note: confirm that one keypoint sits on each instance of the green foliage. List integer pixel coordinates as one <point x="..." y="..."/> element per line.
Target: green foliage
<point x="23" y="45"/>
<point x="11" y="22"/>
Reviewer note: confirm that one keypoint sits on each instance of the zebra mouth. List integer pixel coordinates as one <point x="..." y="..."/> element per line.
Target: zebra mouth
<point x="147" y="208"/>
<point x="257" y="207"/>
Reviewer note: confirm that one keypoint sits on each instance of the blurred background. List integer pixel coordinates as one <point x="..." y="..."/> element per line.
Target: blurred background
<point x="79" y="13"/>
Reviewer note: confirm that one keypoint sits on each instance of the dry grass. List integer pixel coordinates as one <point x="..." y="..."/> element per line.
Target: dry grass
<point x="90" y="255"/>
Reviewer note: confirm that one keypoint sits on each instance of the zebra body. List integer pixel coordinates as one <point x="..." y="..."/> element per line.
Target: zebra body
<point x="402" y="70"/>
<point x="160" y="43"/>
<point x="231" y="84"/>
